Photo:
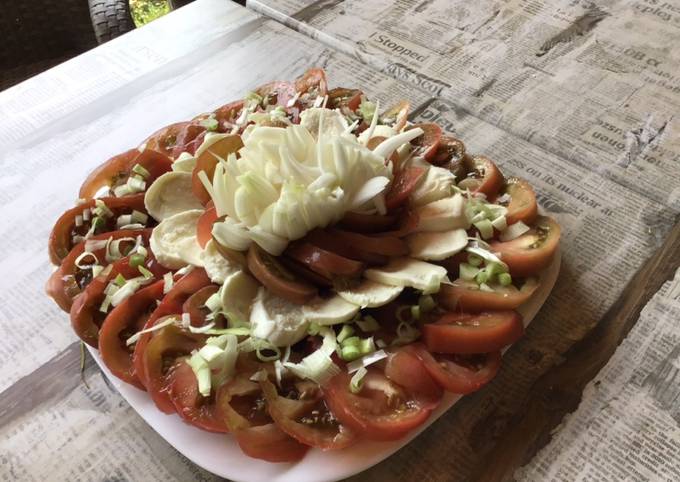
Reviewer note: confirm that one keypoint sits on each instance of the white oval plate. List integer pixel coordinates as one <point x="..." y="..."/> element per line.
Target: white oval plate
<point x="221" y="455"/>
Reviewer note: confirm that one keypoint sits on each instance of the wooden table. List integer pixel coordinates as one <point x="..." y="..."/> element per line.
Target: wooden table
<point x="57" y="126"/>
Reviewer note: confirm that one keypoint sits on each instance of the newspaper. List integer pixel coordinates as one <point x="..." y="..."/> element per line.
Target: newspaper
<point x="206" y="54"/>
<point x="594" y="82"/>
<point x="627" y="426"/>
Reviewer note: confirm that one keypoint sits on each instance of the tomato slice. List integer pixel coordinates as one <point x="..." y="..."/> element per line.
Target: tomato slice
<point x="61" y="237"/>
<point x="456" y="373"/>
<point x="382" y="410"/>
<point x="468" y="333"/>
<point x="307" y="420"/>
<point x="408" y="223"/>
<point x="341" y="97"/>
<point x="276" y="278"/>
<point x="482" y="176"/>
<point x="277" y="92"/>
<point x="68" y="280"/>
<point x="397" y="113"/>
<point x="118" y="169"/>
<point x="329" y="240"/>
<point x="533" y="251"/>
<point x="227" y="115"/>
<point x="450" y="153"/>
<point x="195" y="305"/>
<point x="243" y="409"/>
<point x="384" y="245"/>
<point x="404" y="183"/>
<point x="326" y="263"/>
<point x="466" y="296"/>
<point x="408" y="371"/>
<point x="208" y="160"/>
<point x="122" y="322"/>
<point x="171" y="305"/>
<point x="167" y="345"/>
<point x="312" y="80"/>
<point x="522" y="205"/>
<point x="191" y="406"/>
<point x="427" y="144"/>
<point x="189" y="138"/>
<point x="165" y="138"/>
<point x="204" y="226"/>
<point x="367" y="223"/>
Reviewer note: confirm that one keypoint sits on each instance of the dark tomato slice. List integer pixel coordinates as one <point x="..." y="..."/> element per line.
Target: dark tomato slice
<point x="207" y="162"/>
<point x="307" y="420"/>
<point x="323" y="262"/>
<point x="408" y="371"/>
<point x="165" y="139"/>
<point x="118" y="169"/>
<point x="328" y="240"/>
<point x="276" y="278"/>
<point x="522" y="205"/>
<point x="404" y="183"/>
<point x="68" y="280"/>
<point x="191" y="406"/>
<point x="457" y="373"/>
<point x="384" y="245"/>
<point x="302" y="272"/>
<point x="195" y="305"/>
<point x="469" y="333"/>
<point x="341" y="97"/>
<point x="450" y="153"/>
<point x="466" y="296"/>
<point x="427" y="144"/>
<point x="381" y="410"/>
<point x="204" y="226"/>
<point x="61" y="237"/>
<point x="367" y="223"/>
<point x="533" y="251"/>
<point x="243" y="409"/>
<point x="482" y="176"/>
<point x="122" y="322"/>
<point x="408" y="223"/>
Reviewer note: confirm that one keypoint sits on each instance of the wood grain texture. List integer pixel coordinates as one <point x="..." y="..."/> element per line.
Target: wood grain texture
<point x="558" y="392"/>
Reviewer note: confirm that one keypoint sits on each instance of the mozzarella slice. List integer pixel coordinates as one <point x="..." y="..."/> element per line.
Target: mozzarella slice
<point x="170" y="194"/>
<point x="185" y="162"/>
<point x="443" y="215"/>
<point x="329" y="311"/>
<point x="217" y="266"/>
<point x="333" y="123"/>
<point x="435" y="185"/>
<point x="370" y="294"/>
<point x="276" y="320"/>
<point x="409" y="272"/>
<point x="437" y="246"/>
<point x="173" y="241"/>
<point x="237" y="294"/>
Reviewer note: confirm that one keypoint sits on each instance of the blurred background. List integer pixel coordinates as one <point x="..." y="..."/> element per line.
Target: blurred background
<point x="39" y="34"/>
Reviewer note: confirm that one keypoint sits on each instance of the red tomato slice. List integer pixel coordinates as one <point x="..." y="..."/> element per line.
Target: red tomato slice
<point x="241" y="404"/>
<point x="167" y="345"/>
<point x="277" y="92"/>
<point x="164" y="139"/>
<point x="195" y="305"/>
<point x="367" y="223"/>
<point x="399" y="113"/>
<point x="408" y="223"/>
<point x="466" y="296"/>
<point x="171" y="305"/>
<point x="191" y="406"/>
<point x="312" y="79"/>
<point x="207" y="162"/>
<point x="61" y="237"/>
<point x="522" y="206"/>
<point x="68" y="280"/>
<point x="450" y="153"/>
<point x="188" y="139"/>
<point x="323" y="262"/>
<point x="468" y="333"/>
<point x="276" y="278"/>
<point x="533" y="251"/>
<point x="308" y="420"/>
<point x="227" y="115"/>
<point x="302" y="272"/>
<point x="427" y="143"/>
<point x="341" y="97"/>
<point x="404" y="183"/>
<point x="119" y="167"/>
<point x="408" y="371"/>
<point x="384" y="245"/>
<point x="458" y="374"/>
<point x="380" y="411"/>
<point x="482" y="176"/>
<point x="122" y="322"/>
<point x="204" y="226"/>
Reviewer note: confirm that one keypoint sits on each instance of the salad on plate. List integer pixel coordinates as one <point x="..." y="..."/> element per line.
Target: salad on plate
<point x="300" y="268"/>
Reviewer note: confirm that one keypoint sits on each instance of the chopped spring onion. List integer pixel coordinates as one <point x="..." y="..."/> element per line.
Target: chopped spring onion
<point x="214" y="302"/>
<point x="104" y="307"/>
<point x="350" y="352"/>
<point x="291" y="102"/>
<point x="141" y="170"/>
<point x="240" y="331"/>
<point x="279" y="370"/>
<point x="136" y="184"/>
<point x="122" y="190"/>
<point x="368" y="359"/>
<point x="139" y="217"/>
<point x="514" y="231"/>
<point x="357" y="380"/>
<point x="86" y="214"/>
<point x="467" y="271"/>
<point x="351" y="341"/>
<point x="123" y="220"/>
<point x="201" y="370"/>
<point x="101" y="209"/>
<point x="482" y="277"/>
<point x="367" y="109"/>
<point x="167" y="282"/>
<point x="125" y="291"/>
<point x="145" y="272"/>
<point x="80" y="201"/>
<point x="488" y="256"/>
<point x="113" y="252"/>
<point x="313" y="329"/>
<point x="474" y="260"/>
<point x="366" y="346"/>
<point x="79" y="220"/>
<point x="93" y="245"/>
<point x="201" y="329"/>
<point x="368" y="324"/>
<point x="262" y="356"/>
<point x="134" y="338"/>
<point x="485" y="228"/>
<point x="345" y="333"/>
<point x="96" y="270"/>
<point x="119" y="280"/>
<point x="380" y="343"/>
<point x="485" y="287"/>
<point x="318" y="366"/>
<point x="500" y="223"/>
<point x="137" y="260"/>
<point x="210" y="123"/>
<point x="415" y="312"/>
<point x="186" y="270"/>
<point x="406" y="334"/>
<point x="504" y="198"/>
<point x="505" y="279"/>
<point x="185" y="321"/>
<point x="83" y="255"/>
<point x="426" y="303"/>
